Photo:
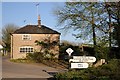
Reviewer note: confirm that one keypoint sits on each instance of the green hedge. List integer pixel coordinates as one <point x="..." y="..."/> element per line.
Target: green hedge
<point x="110" y="71"/>
<point x="37" y="57"/>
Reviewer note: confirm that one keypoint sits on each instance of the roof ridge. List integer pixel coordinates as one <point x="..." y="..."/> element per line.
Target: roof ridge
<point x="34" y="29"/>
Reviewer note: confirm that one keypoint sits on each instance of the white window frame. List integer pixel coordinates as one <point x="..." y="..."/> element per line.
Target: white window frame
<point x="26" y="49"/>
<point x="26" y="37"/>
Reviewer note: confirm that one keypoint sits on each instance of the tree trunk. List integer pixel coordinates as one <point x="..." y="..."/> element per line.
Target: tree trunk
<point x="93" y="28"/>
<point x="93" y="31"/>
<point x="109" y="30"/>
<point x="94" y="36"/>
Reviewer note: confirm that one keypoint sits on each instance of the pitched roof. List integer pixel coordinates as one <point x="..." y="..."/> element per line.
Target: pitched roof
<point x="34" y="29"/>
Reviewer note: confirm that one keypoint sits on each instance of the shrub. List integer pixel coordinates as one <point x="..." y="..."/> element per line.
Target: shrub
<point x="37" y="56"/>
<point x="21" y="60"/>
<point x="110" y="71"/>
<point x="40" y="57"/>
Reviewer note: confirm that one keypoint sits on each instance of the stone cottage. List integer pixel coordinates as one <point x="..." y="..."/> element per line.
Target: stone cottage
<point x="23" y="39"/>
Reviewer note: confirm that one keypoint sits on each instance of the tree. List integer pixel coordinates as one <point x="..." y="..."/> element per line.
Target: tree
<point x="47" y="45"/>
<point x="115" y="14"/>
<point x="107" y="6"/>
<point x="113" y="10"/>
<point x="84" y="17"/>
<point x="6" y="37"/>
<point x="116" y="37"/>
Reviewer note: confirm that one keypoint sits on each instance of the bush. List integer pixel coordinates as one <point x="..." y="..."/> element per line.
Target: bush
<point x="37" y="56"/>
<point x="21" y="60"/>
<point x="40" y="57"/>
<point x="110" y="71"/>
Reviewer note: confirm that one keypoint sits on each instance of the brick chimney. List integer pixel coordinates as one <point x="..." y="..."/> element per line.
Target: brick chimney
<point x="39" y="21"/>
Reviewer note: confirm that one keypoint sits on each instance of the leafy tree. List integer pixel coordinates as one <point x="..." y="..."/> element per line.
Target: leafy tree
<point x="113" y="10"/>
<point x="107" y="6"/>
<point x="102" y="49"/>
<point x="6" y="37"/>
<point x="116" y="35"/>
<point x="93" y="21"/>
<point x="115" y="14"/>
<point x="84" y="17"/>
<point x="46" y="46"/>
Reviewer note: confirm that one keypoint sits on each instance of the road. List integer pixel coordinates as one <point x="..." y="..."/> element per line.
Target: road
<point x="22" y="70"/>
<point x="0" y="66"/>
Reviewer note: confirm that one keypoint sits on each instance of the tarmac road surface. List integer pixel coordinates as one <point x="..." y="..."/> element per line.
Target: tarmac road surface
<point x="22" y="70"/>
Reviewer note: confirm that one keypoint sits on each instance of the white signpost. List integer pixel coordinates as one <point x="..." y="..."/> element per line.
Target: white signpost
<point x="69" y="51"/>
<point x="83" y="59"/>
<point x="80" y="61"/>
<point x="79" y="65"/>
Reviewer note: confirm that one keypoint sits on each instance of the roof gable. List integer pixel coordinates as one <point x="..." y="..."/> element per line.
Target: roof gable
<point x="34" y="29"/>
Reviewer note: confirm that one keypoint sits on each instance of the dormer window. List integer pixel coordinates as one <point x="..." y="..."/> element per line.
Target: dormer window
<point x="26" y="37"/>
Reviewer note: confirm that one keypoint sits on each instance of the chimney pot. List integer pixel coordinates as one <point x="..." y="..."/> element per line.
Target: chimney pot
<point x="39" y="21"/>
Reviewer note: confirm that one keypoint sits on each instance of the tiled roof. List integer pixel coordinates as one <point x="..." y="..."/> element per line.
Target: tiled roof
<point x="34" y="29"/>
